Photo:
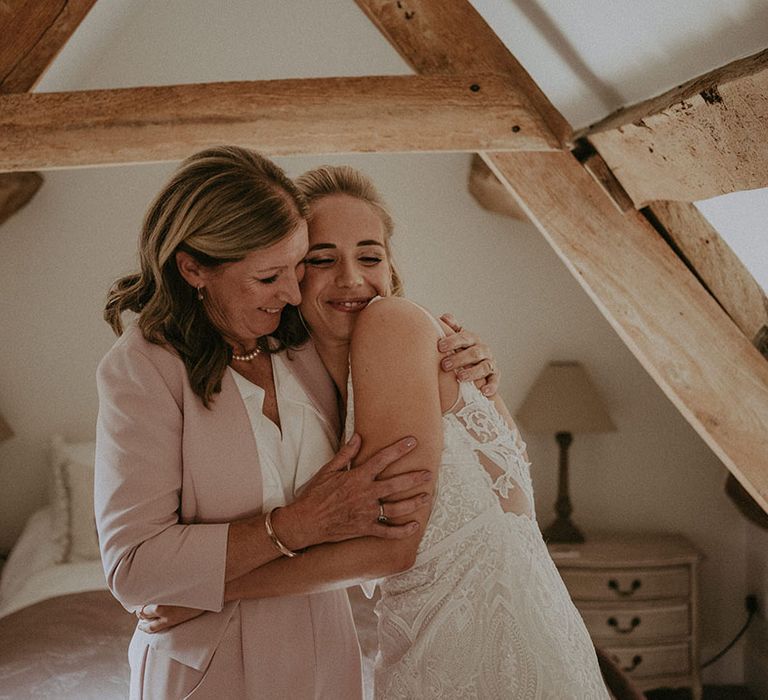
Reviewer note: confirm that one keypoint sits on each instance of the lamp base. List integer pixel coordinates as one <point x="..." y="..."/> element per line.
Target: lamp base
<point x="562" y="530"/>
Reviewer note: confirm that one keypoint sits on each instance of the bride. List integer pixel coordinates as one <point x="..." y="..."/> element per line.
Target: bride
<point x="477" y="608"/>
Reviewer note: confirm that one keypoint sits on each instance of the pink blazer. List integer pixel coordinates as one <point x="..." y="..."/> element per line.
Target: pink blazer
<point x="169" y="475"/>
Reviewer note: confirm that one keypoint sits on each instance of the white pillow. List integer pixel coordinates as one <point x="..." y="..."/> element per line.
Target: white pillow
<point x="74" y="524"/>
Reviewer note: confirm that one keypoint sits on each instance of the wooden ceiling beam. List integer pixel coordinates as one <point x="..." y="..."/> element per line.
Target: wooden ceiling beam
<point x="717" y="266"/>
<point x="33" y="34"/>
<point x="704" y="138"/>
<point x="279" y="117"/>
<point x="697" y="356"/>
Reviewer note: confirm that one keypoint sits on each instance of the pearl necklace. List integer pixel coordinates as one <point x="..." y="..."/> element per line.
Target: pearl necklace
<point x="247" y="357"/>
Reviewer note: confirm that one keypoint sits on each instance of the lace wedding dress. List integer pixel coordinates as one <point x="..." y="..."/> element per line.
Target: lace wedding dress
<point x="483" y="613"/>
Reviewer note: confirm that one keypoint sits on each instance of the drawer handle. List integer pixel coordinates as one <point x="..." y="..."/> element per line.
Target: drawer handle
<point x="634" y="622"/>
<point x="613" y="584"/>
<point x="636" y="661"/>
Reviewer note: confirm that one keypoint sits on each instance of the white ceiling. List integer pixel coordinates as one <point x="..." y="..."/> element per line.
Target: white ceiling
<point x="589" y="56"/>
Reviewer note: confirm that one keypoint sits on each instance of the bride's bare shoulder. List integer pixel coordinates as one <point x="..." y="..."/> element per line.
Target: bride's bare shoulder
<point x="394" y="319"/>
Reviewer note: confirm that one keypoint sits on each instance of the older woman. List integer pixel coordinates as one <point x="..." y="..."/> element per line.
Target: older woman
<point x="207" y="434"/>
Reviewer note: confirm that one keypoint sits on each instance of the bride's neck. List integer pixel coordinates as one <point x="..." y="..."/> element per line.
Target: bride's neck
<point x="335" y="357"/>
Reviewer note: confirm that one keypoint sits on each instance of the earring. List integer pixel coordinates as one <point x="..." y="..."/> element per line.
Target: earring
<point x="200" y="292"/>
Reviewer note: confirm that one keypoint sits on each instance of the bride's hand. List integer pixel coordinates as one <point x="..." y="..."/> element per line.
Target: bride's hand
<point x="469" y="357"/>
<point x="156" y="618"/>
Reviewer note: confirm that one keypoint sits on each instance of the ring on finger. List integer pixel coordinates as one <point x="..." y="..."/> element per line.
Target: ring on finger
<point x="382" y="517"/>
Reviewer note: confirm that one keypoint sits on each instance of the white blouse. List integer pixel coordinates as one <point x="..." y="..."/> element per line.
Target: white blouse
<point x="288" y="458"/>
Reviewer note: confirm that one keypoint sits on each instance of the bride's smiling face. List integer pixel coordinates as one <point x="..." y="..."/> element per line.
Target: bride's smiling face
<point x="347" y="265"/>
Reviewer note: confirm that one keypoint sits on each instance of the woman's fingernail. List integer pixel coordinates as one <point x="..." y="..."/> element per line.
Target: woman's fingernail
<point x="463" y="376"/>
<point x="410" y="442"/>
<point x="442" y="345"/>
<point x="448" y="363"/>
<point x="486" y="390"/>
<point x="412" y="527"/>
<point x="424" y="498"/>
<point x="426" y="476"/>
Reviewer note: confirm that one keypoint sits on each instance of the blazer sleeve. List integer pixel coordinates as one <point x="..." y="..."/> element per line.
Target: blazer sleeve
<point x="148" y="555"/>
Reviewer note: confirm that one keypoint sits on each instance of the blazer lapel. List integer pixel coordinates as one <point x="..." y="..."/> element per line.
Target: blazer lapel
<point x="219" y="442"/>
<point x="310" y="372"/>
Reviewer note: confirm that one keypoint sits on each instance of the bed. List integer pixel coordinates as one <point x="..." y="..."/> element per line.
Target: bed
<point x="62" y="634"/>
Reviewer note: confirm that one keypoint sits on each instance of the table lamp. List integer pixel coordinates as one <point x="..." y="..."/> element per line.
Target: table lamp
<point x="563" y="401"/>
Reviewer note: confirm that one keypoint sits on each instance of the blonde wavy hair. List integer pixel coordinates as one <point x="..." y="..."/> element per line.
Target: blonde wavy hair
<point x="221" y="204"/>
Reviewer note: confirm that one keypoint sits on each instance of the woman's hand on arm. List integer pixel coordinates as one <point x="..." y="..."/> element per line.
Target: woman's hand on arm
<point x="336" y="504"/>
<point x="466" y="354"/>
<point x="340" y="503"/>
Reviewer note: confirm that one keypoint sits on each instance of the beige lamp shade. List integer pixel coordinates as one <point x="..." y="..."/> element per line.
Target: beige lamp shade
<point x="562" y="399"/>
<point x="5" y="430"/>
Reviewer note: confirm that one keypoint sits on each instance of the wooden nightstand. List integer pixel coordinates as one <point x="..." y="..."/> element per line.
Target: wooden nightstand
<point x="638" y="595"/>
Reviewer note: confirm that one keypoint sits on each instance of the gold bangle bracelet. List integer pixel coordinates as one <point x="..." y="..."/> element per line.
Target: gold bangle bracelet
<point x="279" y="546"/>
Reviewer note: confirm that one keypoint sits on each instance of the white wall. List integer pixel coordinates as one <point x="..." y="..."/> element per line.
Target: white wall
<point x="58" y="256"/>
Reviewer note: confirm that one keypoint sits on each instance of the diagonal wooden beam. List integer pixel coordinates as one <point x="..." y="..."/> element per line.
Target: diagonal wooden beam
<point x="281" y="117"/>
<point x="698" y="357"/>
<point x="702" y="139"/>
<point x="716" y="265"/>
<point x="33" y="33"/>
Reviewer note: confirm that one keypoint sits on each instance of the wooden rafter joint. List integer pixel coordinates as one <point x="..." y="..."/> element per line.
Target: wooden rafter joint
<point x="16" y="189"/>
<point x="594" y="164"/>
<point x="444" y="38"/>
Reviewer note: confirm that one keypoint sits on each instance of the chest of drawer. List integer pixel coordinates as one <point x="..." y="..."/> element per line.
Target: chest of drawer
<point x="627" y="584"/>
<point x="631" y="622"/>
<point x="650" y="661"/>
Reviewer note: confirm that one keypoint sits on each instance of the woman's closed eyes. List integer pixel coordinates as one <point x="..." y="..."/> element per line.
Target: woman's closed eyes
<point x="327" y="261"/>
